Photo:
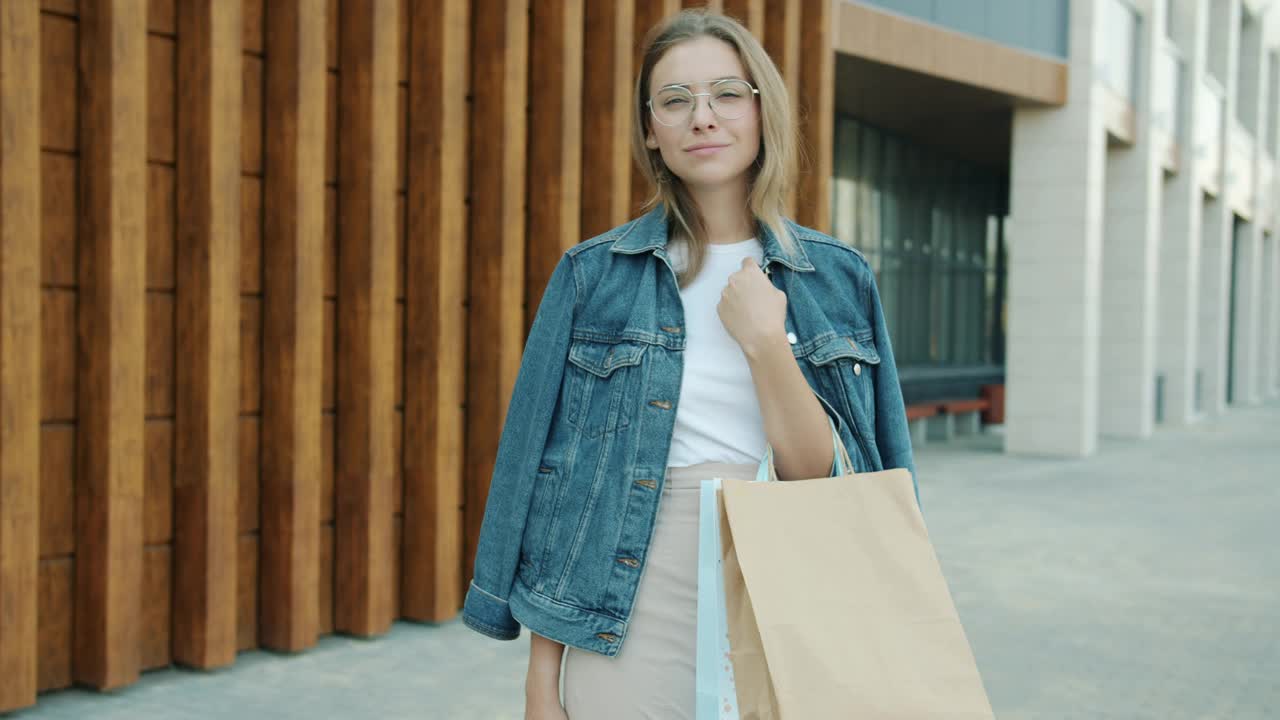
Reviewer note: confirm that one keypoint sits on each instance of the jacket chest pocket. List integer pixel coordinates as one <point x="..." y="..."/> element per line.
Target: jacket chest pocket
<point x="845" y="367"/>
<point x="602" y="384"/>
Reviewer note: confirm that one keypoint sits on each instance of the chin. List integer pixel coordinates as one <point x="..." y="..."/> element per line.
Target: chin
<point x="710" y="177"/>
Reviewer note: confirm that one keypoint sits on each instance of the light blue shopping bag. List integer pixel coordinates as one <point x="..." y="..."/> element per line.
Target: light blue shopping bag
<point x="717" y="699"/>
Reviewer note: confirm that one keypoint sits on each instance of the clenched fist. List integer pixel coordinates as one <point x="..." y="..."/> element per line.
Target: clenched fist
<point x="752" y="310"/>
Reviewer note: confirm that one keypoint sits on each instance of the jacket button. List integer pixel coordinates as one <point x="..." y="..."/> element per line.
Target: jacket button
<point x="660" y="404"/>
<point x="791" y="338"/>
<point x="629" y="562"/>
<point x="857" y="369"/>
<point x="607" y="637"/>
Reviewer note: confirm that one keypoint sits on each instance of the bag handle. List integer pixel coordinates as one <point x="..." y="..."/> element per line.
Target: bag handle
<point x="768" y="472"/>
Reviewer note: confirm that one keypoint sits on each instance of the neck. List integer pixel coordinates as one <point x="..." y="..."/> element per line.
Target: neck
<point x="725" y="213"/>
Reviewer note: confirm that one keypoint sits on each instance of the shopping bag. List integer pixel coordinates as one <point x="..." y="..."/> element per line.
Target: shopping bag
<point x="836" y="605"/>
<point x="716" y="699"/>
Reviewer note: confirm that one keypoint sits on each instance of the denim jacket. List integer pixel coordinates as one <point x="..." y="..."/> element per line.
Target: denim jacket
<point x="583" y="453"/>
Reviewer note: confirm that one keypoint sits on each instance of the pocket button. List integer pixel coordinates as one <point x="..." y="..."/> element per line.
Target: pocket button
<point x="857" y="369"/>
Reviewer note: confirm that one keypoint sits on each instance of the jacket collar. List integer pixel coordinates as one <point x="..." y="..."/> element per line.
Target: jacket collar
<point x="649" y="233"/>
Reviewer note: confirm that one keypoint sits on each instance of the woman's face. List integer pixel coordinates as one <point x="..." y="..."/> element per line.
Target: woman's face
<point x="706" y="150"/>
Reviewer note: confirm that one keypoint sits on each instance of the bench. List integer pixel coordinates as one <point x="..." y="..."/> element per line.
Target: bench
<point x="965" y="415"/>
<point x="917" y="421"/>
<point x="944" y="419"/>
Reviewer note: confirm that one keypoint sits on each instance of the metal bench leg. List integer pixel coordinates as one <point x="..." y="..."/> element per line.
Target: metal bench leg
<point x="969" y="423"/>
<point x="942" y="427"/>
<point x="919" y="431"/>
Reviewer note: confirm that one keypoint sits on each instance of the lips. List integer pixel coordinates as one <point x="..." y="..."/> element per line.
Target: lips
<point x="705" y="149"/>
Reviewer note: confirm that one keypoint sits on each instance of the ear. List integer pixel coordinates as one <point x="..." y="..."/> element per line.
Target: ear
<point x="651" y="141"/>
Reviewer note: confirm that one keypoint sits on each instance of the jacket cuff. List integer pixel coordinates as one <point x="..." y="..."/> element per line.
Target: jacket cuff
<point x="489" y="614"/>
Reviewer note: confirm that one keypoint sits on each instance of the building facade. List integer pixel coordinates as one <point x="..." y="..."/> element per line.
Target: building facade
<point x="1073" y="199"/>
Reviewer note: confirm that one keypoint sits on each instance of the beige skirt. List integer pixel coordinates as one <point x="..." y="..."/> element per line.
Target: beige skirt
<point x="652" y="676"/>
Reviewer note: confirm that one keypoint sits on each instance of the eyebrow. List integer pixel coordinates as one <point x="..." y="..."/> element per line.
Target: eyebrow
<point x="693" y="82"/>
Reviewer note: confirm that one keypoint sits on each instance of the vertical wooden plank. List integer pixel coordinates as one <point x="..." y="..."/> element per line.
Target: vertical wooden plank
<point x="368" y="89"/>
<point x="57" y="88"/>
<point x="247" y="593"/>
<point x="157" y="584"/>
<point x="782" y="41"/>
<point x="607" y="83"/>
<point x="435" y="317"/>
<point x="56" y="619"/>
<point x="210" y="85"/>
<point x="57" y="489"/>
<point x="647" y="17"/>
<point x="496" y="293"/>
<point x="20" y="300"/>
<point x="294" y="310"/>
<point x="817" y="115"/>
<point x="748" y="12"/>
<point x="712" y="5"/>
<point x="112" y="328"/>
<point x="555" y="160"/>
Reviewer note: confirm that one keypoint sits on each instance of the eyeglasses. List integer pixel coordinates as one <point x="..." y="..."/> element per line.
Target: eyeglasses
<point x="729" y="99"/>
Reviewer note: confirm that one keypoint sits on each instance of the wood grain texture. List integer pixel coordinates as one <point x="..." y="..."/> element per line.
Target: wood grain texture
<point x="57" y="55"/>
<point x="58" y="177"/>
<point x="157" y="606"/>
<point x="294" y="313"/>
<point x="110" y="353"/>
<point x="647" y="16"/>
<point x="607" y="83"/>
<point x="496" y="240"/>
<point x="20" y="317"/>
<point x="367" y="98"/>
<point x="782" y="42"/>
<point x="57" y="490"/>
<point x="210" y="85"/>
<point x="57" y="617"/>
<point x="435" y="316"/>
<point x="555" y="159"/>
<point x="748" y="12"/>
<point x="817" y="113"/>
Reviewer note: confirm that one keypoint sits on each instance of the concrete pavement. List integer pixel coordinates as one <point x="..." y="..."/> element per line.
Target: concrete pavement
<point x="1141" y="583"/>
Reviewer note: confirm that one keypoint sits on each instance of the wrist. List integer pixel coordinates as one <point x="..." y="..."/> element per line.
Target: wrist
<point x="537" y="690"/>
<point x="772" y="345"/>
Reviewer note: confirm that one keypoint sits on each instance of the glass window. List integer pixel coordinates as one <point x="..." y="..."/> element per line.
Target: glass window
<point x="931" y="227"/>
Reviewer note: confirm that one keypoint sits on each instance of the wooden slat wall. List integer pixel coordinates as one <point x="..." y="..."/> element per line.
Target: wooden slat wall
<point x="436" y="279"/>
<point x="224" y="503"/>
<point x="293" y="285"/>
<point x="816" y="91"/>
<point x="208" y="321"/>
<point x="110" y="356"/>
<point x="252" y="320"/>
<point x="499" y="67"/>
<point x="19" y="352"/>
<point x="647" y="15"/>
<point x="59" y="170"/>
<point x="607" y="82"/>
<point x="367" y="100"/>
<point x="555" y="157"/>
<point x="161" y="353"/>
<point x="782" y="41"/>
<point x="747" y="12"/>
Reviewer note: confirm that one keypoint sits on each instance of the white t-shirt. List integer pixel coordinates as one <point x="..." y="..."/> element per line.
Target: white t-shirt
<point x="718" y="417"/>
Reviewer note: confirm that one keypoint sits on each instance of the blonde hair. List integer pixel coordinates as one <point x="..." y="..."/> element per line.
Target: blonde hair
<point x="774" y="170"/>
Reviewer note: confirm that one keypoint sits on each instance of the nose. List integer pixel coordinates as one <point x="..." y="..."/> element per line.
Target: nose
<point x="703" y="116"/>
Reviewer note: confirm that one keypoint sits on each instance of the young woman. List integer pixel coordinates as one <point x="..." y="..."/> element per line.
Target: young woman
<point x="672" y="349"/>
